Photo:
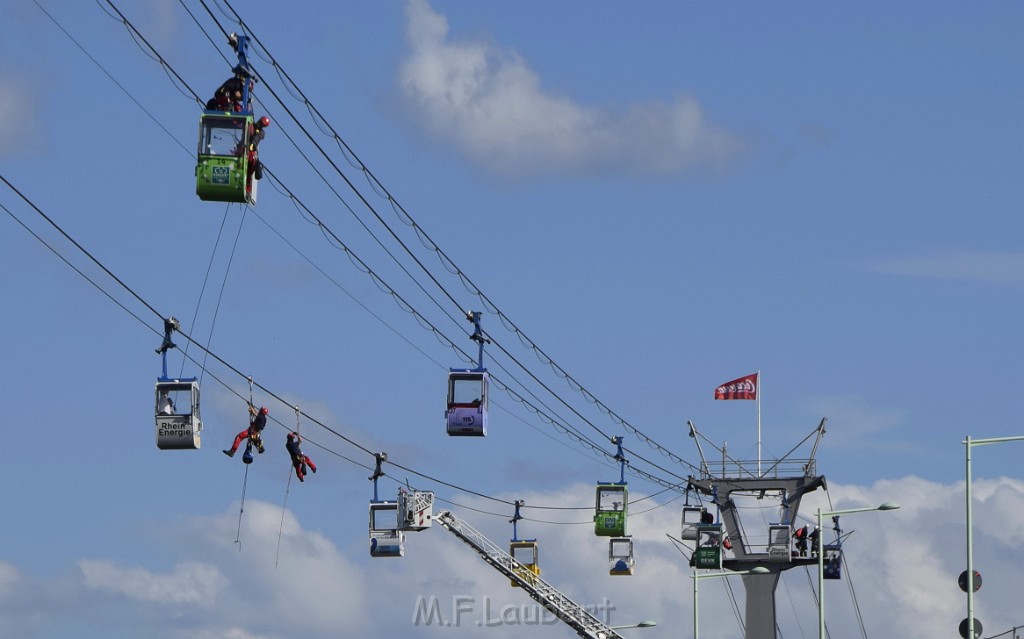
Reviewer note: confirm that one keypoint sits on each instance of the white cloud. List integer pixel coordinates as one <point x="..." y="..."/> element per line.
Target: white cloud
<point x="188" y="583"/>
<point x="961" y="265"/>
<point x="8" y="578"/>
<point x="903" y="566"/>
<point x="490" y="104"/>
<point x="858" y="421"/>
<point x="19" y="129"/>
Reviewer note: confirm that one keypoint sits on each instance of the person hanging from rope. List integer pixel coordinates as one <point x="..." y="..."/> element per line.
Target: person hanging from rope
<point x="299" y="460"/>
<point x="252" y="433"/>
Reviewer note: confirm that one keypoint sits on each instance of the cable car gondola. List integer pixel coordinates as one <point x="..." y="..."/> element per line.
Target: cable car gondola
<point x="467" y="403"/>
<point x="522" y="551"/>
<point x="779" y="546"/>
<point x="178" y="423"/>
<point x="227" y="166"/>
<point x="466" y="415"/>
<point x="524" y="554"/>
<point x="612" y="501"/>
<point x="177" y="414"/>
<point x="223" y="164"/>
<point x="692" y="516"/>
<point x="833" y="561"/>
<point x="620" y="556"/>
<point x="708" y="553"/>
<point x="386" y="539"/>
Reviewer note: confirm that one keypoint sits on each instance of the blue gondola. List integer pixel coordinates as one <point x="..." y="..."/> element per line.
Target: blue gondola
<point x="466" y="414"/>
<point x="832" y="554"/>
<point x="833" y="561"/>
<point x="178" y="422"/>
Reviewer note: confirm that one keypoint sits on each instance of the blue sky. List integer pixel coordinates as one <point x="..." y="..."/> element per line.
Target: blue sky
<point x="660" y="199"/>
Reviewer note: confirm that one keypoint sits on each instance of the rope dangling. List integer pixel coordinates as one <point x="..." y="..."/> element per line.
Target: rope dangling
<point x="287" y="491"/>
<point x="241" y="509"/>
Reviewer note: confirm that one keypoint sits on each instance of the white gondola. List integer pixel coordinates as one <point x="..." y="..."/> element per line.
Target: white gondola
<point x="692" y="517"/>
<point x="620" y="556"/>
<point x="178" y="423"/>
<point x="779" y="548"/>
<point x="386" y="540"/>
<point x="466" y="414"/>
<point x="415" y="509"/>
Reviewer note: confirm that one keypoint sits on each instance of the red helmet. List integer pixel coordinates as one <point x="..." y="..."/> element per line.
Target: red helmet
<point x="264" y="122"/>
<point x="264" y="410"/>
<point x="291" y="435"/>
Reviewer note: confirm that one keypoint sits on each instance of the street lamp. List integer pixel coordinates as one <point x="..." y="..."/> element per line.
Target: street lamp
<point x="642" y="624"/>
<point x="968" y="443"/>
<point x="758" y="570"/>
<point x="821" y="555"/>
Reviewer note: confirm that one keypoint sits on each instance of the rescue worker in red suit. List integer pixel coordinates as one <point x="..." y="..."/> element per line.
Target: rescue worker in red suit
<point x="252" y="433"/>
<point x="255" y="137"/>
<point x="800" y="534"/>
<point x="299" y="460"/>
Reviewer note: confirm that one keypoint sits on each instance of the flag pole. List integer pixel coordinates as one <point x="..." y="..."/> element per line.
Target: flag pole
<point x="758" y="387"/>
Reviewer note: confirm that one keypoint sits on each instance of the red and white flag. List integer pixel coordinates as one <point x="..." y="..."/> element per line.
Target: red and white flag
<point x="742" y="388"/>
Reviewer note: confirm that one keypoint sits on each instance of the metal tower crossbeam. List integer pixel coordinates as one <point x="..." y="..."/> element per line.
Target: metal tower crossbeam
<point x="574" y="615"/>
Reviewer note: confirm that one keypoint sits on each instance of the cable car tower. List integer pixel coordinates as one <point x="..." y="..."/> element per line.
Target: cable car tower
<point x="730" y="482"/>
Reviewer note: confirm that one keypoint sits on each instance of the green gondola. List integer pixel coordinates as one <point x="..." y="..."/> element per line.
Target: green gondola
<point x="222" y="168"/>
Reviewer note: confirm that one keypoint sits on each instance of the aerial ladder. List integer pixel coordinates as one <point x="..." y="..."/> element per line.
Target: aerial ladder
<point x="574" y="615"/>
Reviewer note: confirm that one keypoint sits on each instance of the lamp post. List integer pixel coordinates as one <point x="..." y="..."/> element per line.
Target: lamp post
<point x="642" y="624"/>
<point x="758" y="570"/>
<point x="821" y="555"/>
<point x="968" y="443"/>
